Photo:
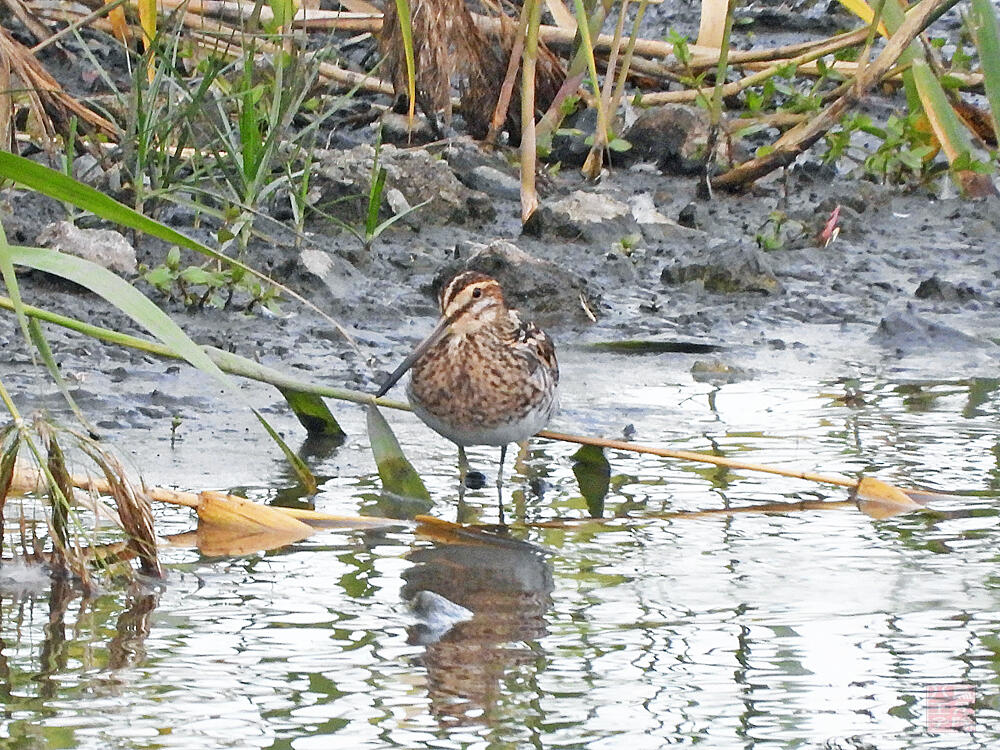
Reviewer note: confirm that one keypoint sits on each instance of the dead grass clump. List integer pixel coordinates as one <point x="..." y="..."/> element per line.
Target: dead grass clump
<point x="450" y="49"/>
<point x="78" y="539"/>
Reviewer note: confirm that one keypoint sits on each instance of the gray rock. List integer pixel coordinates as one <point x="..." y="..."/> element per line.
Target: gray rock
<point x="569" y="143"/>
<point x="675" y="138"/>
<point x="942" y="290"/>
<point x="493" y="182"/>
<point x="726" y="269"/>
<point x="398" y="130"/>
<point x="586" y="216"/>
<point x="654" y="225"/>
<point x="344" y="179"/>
<point x="338" y="276"/>
<point x="89" y="171"/>
<point x="907" y="332"/>
<point x="547" y="293"/>
<point x="105" y="247"/>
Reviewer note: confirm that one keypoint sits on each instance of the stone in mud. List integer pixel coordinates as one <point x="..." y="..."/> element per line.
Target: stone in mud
<point x="339" y="277"/>
<point x="907" y="332"/>
<point x="547" y="293"/>
<point x="344" y="181"/>
<point x="941" y="290"/>
<point x="105" y="247"/>
<point x="585" y="216"/>
<point x="717" y="372"/>
<point x="493" y="182"/>
<point x="675" y="138"/>
<point x="569" y="143"/>
<point x="657" y="227"/>
<point x="482" y="170"/>
<point x="400" y="131"/>
<point x="726" y="269"/>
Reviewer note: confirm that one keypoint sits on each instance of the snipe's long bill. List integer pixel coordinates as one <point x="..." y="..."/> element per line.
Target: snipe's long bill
<point x="483" y="376"/>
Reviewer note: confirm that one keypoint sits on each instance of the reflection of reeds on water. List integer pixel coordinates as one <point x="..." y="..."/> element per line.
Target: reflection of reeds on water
<point x="38" y="650"/>
<point x="508" y="591"/>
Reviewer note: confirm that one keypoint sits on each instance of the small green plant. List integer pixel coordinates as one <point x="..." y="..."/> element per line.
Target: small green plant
<point x="175" y="424"/>
<point x="903" y="155"/>
<point x="786" y="91"/>
<point x="689" y="78"/>
<point x="770" y="236"/>
<point x="209" y="284"/>
<point x="372" y="228"/>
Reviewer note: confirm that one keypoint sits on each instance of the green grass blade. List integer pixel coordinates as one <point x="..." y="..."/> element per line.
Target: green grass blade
<point x="57" y="185"/>
<point x="301" y="470"/>
<point x="406" y="31"/>
<point x="314" y="414"/>
<point x="374" y="200"/>
<point x="10" y="280"/>
<point x="986" y="31"/>
<point x="398" y="475"/>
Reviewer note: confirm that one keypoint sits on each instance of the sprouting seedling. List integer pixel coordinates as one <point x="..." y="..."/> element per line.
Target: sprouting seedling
<point x="373" y="228"/>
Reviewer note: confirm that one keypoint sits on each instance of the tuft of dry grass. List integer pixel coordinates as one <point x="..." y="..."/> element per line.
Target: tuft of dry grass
<point x="71" y="549"/>
<point x="451" y="48"/>
<point x="34" y="96"/>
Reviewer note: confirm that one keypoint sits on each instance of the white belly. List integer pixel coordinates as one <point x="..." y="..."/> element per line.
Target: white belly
<point x="500" y="434"/>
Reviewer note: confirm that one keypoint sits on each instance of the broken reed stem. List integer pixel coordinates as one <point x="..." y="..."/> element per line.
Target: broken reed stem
<point x="731" y="463"/>
<point x="715" y="109"/>
<point x="532" y="12"/>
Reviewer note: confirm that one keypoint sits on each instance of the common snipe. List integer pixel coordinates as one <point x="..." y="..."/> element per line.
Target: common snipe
<point x="483" y="376"/>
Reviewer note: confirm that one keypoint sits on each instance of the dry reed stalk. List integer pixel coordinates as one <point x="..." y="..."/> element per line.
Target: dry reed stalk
<point x="594" y="162"/>
<point x="712" y="24"/>
<point x="502" y="106"/>
<point x="134" y="510"/>
<point x="223" y="39"/>
<point x="6" y="107"/>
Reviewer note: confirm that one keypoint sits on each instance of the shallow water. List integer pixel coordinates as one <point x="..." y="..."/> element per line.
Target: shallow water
<point x="803" y="628"/>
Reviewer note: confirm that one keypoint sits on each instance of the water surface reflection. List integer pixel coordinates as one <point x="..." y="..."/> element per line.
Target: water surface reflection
<point x="801" y="627"/>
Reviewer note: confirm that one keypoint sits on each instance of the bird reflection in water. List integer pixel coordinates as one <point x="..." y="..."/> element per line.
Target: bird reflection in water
<point x="506" y="590"/>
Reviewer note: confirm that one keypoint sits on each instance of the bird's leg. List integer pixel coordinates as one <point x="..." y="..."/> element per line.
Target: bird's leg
<point x="463" y="470"/>
<point x="503" y="455"/>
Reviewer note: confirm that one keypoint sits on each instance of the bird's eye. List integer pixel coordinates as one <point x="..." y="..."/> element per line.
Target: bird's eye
<point x="477" y="293"/>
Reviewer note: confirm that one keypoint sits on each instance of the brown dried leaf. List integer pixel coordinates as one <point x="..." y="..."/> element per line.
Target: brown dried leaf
<point x="237" y="513"/>
<point x="879" y="499"/>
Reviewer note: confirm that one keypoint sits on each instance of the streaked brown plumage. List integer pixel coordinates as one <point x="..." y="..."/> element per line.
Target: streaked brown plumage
<point x="483" y="376"/>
